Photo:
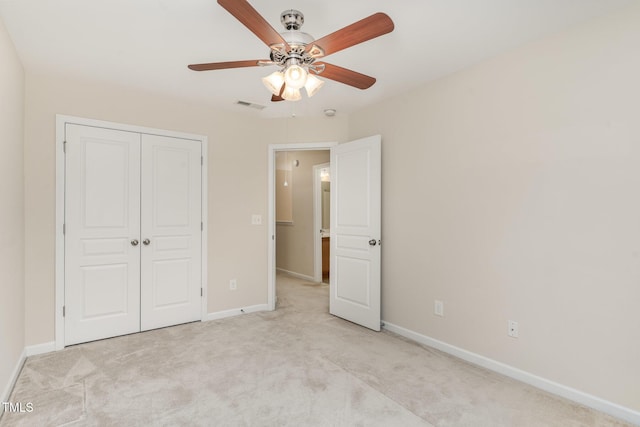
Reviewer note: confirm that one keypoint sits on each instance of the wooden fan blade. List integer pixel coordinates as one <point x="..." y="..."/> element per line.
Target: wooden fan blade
<point x="278" y="98"/>
<point x="356" y="33"/>
<point x="346" y="76"/>
<point x="251" y="19"/>
<point x="223" y="65"/>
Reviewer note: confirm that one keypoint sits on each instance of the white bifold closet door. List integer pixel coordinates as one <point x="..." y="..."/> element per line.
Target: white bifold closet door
<point x="132" y="232"/>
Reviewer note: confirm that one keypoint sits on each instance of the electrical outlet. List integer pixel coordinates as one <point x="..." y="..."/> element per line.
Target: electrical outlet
<point x="256" y="219"/>
<point x="513" y="329"/>
<point x="438" y="308"/>
<point x="233" y="284"/>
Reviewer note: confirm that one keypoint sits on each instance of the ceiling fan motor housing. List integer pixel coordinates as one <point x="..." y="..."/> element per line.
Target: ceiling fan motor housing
<point x="292" y="19"/>
<point x="297" y="40"/>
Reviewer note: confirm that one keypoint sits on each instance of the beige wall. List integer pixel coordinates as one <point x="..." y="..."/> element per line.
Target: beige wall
<point x="511" y="190"/>
<point x="295" y="241"/>
<point x="283" y="185"/>
<point x="12" y="304"/>
<point x="237" y="183"/>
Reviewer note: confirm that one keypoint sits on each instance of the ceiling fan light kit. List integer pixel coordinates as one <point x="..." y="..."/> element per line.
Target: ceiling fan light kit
<point x="291" y="94"/>
<point x="313" y="85"/>
<point x="274" y="82"/>
<point x="296" y="52"/>
<point x="294" y="75"/>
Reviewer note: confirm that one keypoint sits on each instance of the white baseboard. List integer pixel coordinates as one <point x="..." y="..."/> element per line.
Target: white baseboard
<point x="30" y="350"/>
<point x="297" y="275"/>
<point x="34" y="350"/>
<point x="14" y="377"/>
<point x="577" y="396"/>
<point x="235" y="312"/>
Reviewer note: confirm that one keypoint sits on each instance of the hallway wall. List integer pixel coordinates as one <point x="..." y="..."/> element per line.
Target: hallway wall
<point x="295" y="241"/>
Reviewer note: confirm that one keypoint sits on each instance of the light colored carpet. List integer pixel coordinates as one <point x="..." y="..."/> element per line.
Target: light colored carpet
<point x="297" y="366"/>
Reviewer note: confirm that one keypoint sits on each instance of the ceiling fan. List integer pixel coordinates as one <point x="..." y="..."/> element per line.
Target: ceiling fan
<point x="297" y="54"/>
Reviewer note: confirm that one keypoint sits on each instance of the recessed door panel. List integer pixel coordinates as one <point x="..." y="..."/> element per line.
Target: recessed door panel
<point x="104" y="247"/>
<point x="355" y="274"/>
<point x="172" y="243"/>
<point x="171" y="168"/>
<point x="171" y="283"/>
<point x="104" y="291"/>
<point x="105" y="178"/>
<point x="354" y="195"/>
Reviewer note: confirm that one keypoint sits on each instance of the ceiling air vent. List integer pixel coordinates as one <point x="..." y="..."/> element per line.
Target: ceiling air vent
<point x="251" y="105"/>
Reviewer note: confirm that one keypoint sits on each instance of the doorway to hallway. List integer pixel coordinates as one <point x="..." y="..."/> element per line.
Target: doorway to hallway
<point x="355" y="228"/>
<point x="301" y="228"/>
<point x="283" y="230"/>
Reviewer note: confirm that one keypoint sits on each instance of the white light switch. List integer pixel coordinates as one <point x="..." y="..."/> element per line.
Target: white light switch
<point x="438" y="308"/>
<point x="256" y="219"/>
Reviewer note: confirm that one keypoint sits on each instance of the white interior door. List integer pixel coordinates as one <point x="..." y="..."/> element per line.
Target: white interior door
<point x="171" y="231"/>
<point x="355" y="231"/>
<point x="102" y="222"/>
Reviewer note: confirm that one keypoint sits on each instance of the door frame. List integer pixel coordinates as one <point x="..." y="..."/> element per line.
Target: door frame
<point x="317" y="220"/>
<point x="271" y="220"/>
<point x="61" y="121"/>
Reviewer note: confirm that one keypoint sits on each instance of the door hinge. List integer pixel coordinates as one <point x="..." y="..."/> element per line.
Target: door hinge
<point x="201" y="226"/>
<point x="64" y="146"/>
<point x="201" y="292"/>
<point x="64" y="311"/>
<point x="202" y="160"/>
<point x="64" y="229"/>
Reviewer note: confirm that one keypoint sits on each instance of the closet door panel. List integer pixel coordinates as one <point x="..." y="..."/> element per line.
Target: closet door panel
<point x="102" y="219"/>
<point x="171" y="231"/>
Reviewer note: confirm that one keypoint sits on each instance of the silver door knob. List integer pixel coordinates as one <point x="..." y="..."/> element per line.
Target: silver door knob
<point x="146" y="241"/>
<point x="134" y="242"/>
<point x="372" y="242"/>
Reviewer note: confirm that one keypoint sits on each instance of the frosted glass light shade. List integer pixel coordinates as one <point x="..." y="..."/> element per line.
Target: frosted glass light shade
<point x="295" y="76"/>
<point x="274" y="82"/>
<point x="291" y="94"/>
<point x="313" y="85"/>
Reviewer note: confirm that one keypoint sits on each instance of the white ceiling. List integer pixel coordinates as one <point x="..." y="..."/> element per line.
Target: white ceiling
<point x="148" y="44"/>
